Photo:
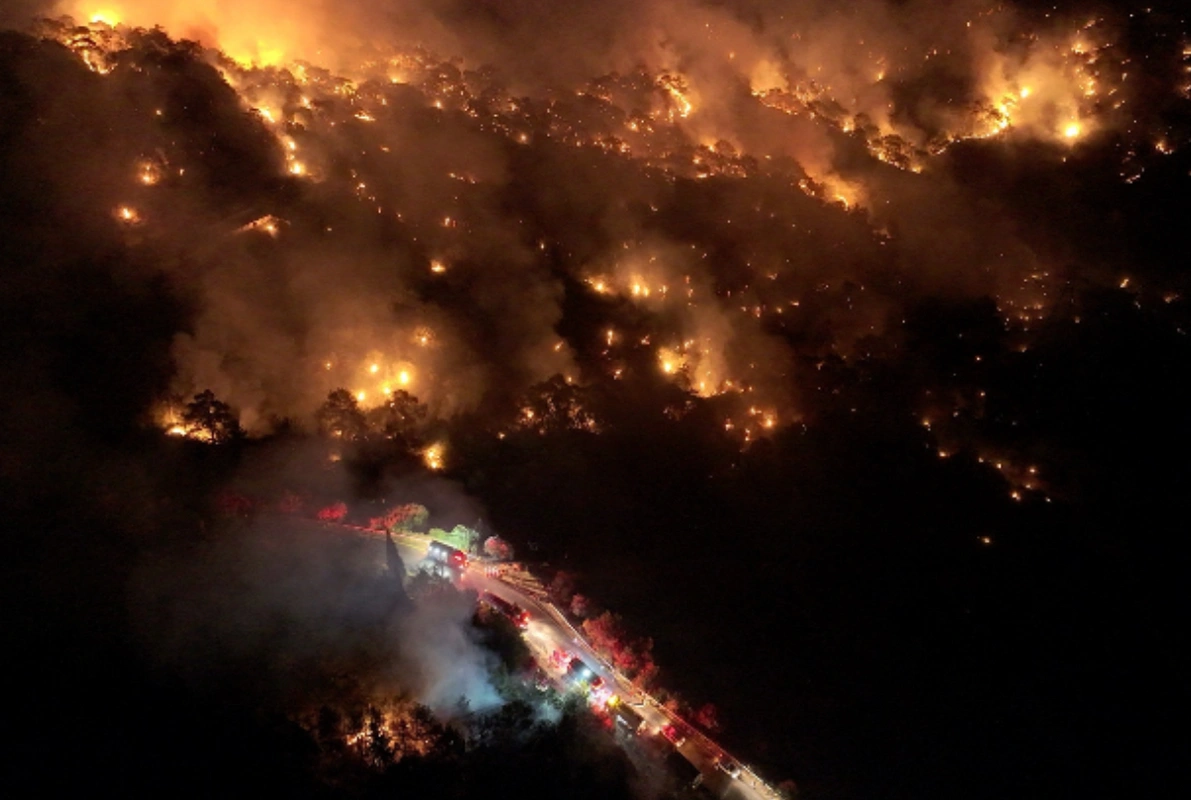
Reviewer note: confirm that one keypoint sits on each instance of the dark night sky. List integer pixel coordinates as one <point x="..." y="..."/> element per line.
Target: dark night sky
<point x="869" y="410"/>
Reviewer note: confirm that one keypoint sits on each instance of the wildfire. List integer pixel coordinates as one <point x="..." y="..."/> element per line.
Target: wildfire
<point x="128" y="215"/>
<point x="105" y="17"/>
<point x="271" y="226"/>
<point x="676" y="87"/>
<point x="670" y="361"/>
<point x="432" y="456"/>
<point x="148" y="173"/>
<point x="170" y="419"/>
<point x="1053" y="90"/>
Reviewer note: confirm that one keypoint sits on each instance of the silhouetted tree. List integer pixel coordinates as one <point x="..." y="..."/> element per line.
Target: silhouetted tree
<point x="340" y="416"/>
<point x="401" y="419"/>
<point x="562" y="588"/>
<point x="379" y="748"/>
<point x="208" y="417"/>
<point x="556" y="405"/>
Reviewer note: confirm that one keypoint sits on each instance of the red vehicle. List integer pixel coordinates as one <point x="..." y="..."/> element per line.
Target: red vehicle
<point x="673" y="735"/>
<point x="511" y="611"/>
<point x="446" y="555"/>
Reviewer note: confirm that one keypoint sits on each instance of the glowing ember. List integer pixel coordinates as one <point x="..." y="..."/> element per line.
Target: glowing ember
<point x="105" y="17"/>
<point x="148" y="173"/>
<point x="270" y="225"/>
<point x="128" y="215"/>
<point x="432" y="456"/>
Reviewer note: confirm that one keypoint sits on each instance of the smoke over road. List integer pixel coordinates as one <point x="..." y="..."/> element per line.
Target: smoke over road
<point x="286" y="611"/>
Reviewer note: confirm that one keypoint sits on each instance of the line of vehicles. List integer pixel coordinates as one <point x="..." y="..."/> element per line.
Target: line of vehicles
<point x="582" y="677"/>
<point x="450" y="562"/>
<point x="578" y="675"/>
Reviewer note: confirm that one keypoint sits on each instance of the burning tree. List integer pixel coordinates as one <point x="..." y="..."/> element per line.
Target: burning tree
<point x="209" y="418"/>
<point x="380" y="735"/>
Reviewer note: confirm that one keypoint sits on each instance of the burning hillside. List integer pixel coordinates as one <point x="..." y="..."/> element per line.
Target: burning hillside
<point x="874" y="316"/>
<point x="726" y="210"/>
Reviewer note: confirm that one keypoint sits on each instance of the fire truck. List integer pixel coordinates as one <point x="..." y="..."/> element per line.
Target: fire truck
<point x="510" y="611"/>
<point x="445" y="560"/>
